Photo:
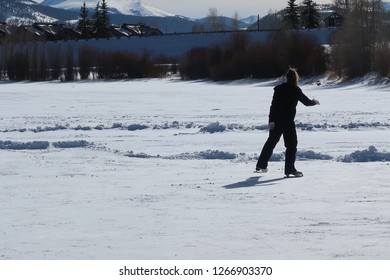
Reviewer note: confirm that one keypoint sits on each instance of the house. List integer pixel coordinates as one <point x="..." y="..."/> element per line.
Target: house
<point x="334" y="20"/>
<point x="118" y="32"/>
<point x="56" y="31"/>
<point x="140" y="30"/>
<point x="41" y="31"/>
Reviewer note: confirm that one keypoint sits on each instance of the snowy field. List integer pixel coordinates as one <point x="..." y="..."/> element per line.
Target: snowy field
<point x="163" y="169"/>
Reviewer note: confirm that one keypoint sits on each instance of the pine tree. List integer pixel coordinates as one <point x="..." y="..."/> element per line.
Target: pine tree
<point x="105" y="19"/>
<point x="84" y="24"/>
<point x="101" y="20"/>
<point x="310" y="16"/>
<point x="291" y="15"/>
<point x="96" y="22"/>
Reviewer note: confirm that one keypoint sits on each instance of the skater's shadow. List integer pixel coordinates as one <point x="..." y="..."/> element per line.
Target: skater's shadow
<point x="252" y="182"/>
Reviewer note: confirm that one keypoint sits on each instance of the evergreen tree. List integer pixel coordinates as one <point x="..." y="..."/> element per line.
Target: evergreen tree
<point x="101" y="20"/>
<point x="291" y="15"/>
<point x="96" y="22"/>
<point x="105" y="19"/>
<point x="84" y="24"/>
<point x="310" y="16"/>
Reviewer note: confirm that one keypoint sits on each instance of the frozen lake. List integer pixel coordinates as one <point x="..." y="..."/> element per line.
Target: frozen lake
<point x="163" y="169"/>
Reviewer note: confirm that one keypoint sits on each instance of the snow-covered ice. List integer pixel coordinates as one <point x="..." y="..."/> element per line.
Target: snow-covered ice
<point x="163" y="169"/>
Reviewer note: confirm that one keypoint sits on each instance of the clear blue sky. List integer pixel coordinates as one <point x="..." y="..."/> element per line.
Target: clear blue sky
<point x="200" y="8"/>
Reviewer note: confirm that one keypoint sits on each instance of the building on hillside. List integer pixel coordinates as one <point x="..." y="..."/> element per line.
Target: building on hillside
<point x="56" y="32"/>
<point x="140" y="30"/>
<point x="118" y="32"/>
<point x="41" y="31"/>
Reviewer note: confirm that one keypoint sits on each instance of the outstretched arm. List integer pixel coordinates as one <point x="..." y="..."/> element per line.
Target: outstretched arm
<point x="306" y="101"/>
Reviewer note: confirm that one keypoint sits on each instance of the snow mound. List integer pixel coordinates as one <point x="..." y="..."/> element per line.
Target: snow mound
<point x="223" y="155"/>
<point x="215" y="154"/>
<point x="369" y="155"/>
<point x="213" y="128"/>
<point x="302" y="155"/>
<point x="35" y="145"/>
<point x="71" y="144"/>
<point x="134" y="127"/>
<point x="42" y="145"/>
<point x="311" y="155"/>
<point x="48" y="128"/>
<point x="137" y="155"/>
<point x="207" y="155"/>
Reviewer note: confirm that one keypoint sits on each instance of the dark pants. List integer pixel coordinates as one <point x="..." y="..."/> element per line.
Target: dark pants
<point x="290" y="142"/>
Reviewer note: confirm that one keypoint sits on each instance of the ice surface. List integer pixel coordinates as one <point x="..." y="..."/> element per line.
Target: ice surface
<point x="163" y="169"/>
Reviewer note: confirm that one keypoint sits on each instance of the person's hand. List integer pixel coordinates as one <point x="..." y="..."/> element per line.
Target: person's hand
<point x="271" y="125"/>
<point x="316" y="101"/>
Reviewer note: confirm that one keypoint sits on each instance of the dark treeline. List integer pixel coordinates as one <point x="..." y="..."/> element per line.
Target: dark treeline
<point x="240" y="58"/>
<point x="43" y="62"/>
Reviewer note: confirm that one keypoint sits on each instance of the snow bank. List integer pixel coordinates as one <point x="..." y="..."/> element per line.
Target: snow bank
<point x="311" y="155"/>
<point x="303" y="155"/>
<point x="208" y="154"/>
<point x="213" y="127"/>
<point x="223" y="155"/>
<point x="369" y="155"/>
<point x="215" y="154"/>
<point x="71" y="144"/>
<point x="134" y="127"/>
<point x="35" y="145"/>
<point x="45" y="129"/>
<point x="41" y="145"/>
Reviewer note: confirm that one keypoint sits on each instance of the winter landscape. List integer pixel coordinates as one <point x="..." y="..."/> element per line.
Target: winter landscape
<point x="163" y="169"/>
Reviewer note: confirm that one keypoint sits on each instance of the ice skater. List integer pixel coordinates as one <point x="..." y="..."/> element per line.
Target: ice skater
<point x="281" y="122"/>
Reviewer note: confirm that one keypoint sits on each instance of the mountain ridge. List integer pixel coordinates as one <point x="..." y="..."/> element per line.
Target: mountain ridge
<point x="125" y="7"/>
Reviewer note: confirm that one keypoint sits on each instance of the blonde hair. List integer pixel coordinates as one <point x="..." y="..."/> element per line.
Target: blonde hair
<point x="292" y="76"/>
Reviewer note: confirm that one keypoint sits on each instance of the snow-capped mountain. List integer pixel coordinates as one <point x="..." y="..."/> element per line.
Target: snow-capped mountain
<point x="27" y="11"/>
<point x="125" y="7"/>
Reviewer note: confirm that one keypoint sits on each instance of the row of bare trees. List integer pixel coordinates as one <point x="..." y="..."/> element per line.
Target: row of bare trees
<point x="240" y="58"/>
<point x="41" y="62"/>
<point x="362" y="45"/>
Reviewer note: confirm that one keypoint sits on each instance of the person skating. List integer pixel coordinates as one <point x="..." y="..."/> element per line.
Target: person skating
<point x="281" y="122"/>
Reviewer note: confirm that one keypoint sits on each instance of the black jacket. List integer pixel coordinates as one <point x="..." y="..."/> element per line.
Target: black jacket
<point x="284" y="103"/>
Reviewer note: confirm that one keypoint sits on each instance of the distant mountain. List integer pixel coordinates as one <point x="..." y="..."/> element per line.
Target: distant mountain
<point x="27" y="11"/>
<point x="121" y="11"/>
<point x="249" y="20"/>
<point x="124" y="7"/>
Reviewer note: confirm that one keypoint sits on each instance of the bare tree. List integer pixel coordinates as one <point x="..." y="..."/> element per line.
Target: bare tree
<point x="214" y="21"/>
<point x="236" y="21"/>
<point x="356" y="48"/>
